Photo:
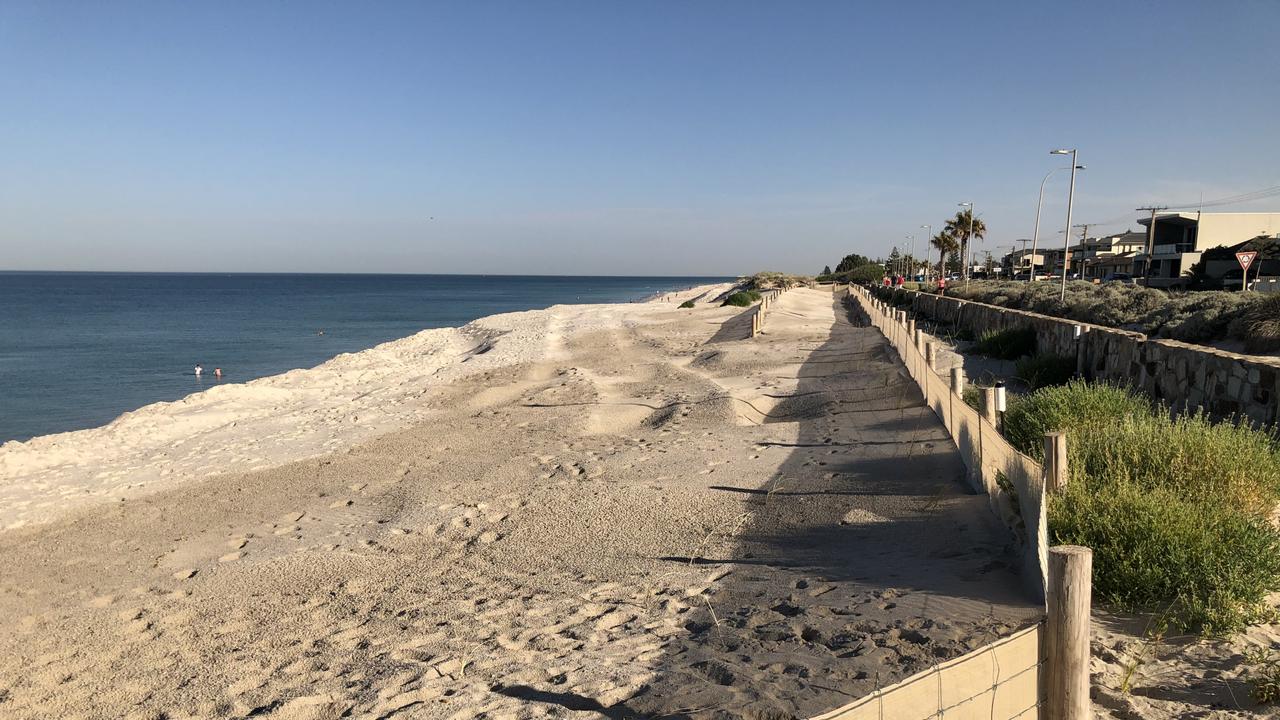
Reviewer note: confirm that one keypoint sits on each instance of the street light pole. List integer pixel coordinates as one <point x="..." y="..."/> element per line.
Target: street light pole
<point x="1035" y="237"/>
<point x="1066" y="239"/>
<point x="928" y="235"/>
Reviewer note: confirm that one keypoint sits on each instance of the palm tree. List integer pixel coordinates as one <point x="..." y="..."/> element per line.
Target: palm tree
<point x="945" y="242"/>
<point x="961" y="227"/>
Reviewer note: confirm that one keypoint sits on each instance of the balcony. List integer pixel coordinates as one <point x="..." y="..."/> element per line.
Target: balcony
<point x="1173" y="250"/>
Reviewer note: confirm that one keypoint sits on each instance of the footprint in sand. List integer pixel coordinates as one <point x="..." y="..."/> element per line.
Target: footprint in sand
<point x="230" y="557"/>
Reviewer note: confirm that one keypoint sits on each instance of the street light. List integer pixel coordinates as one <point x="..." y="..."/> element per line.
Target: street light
<point x="1071" y="194"/>
<point x="968" y="262"/>
<point x="928" y="235"/>
<point x="1035" y="237"/>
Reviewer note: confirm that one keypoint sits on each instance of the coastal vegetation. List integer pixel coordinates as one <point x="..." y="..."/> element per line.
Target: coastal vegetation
<point x="686" y="304"/>
<point x="854" y="268"/>
<point x="1045" y="370"/>
<point x="1007" y="344"/>
<point x="1176" y="508"/>
<point x="1196" y="317"/>
<point x="769" y="280"/>
<point x="742" y="298"/>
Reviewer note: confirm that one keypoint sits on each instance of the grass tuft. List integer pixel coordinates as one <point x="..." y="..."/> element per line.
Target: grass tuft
<point x="1176" y="509"/>
<point x="1040" y="371"/>
<point x="1007" y="344"/>
<point x="1261" y="325"/>
<point x="686" y="304"/>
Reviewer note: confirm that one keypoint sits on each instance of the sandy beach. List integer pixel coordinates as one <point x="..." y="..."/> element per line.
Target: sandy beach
<point x="606" y="511"/>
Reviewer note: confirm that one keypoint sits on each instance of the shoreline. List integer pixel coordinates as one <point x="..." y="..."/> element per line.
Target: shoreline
<point x="269" y="421"/>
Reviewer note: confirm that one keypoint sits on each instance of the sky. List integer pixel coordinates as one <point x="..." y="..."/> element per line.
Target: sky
<point x="603" y="137"/>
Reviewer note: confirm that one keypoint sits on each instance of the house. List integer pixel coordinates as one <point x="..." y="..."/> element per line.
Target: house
<point x="1120" y="263"/>
<point x="1053" y="259"/>
<point x="1094" y="257"/>
<point x="1021" y="261"/>
<point x="1181" y="237"/>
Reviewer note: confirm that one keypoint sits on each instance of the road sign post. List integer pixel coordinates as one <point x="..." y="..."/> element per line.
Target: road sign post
<point x="1245" y="259"/>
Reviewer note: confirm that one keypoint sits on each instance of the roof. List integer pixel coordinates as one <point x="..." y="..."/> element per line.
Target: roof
<point x="1188" y="217"/>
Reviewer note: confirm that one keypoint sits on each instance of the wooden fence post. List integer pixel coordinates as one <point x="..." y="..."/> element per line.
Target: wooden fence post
<point x="989" y="404"/>
<point x="1055" y="462"/>
<point x="930" y="356"/>
<point x="957" y="381"/>
<point x="1067" y="632"/>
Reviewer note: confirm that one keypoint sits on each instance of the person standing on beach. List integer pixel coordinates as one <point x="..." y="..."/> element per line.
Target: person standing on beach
<point x="198" y="369"/>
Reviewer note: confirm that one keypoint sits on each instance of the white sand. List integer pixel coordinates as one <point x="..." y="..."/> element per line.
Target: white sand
<point x="631" y="511"/>
<point x="299" y="414"/>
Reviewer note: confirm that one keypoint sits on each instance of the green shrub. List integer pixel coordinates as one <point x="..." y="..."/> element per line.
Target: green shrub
<point x="1007" y="344"/>
<point x="1176" y="509"/>
<point x="1263" y="671"/>
<point x="1152" y="547"/>
<point x="1078" y="406"/>
<point x="1199" y="317"/>
<point x="1040" y="371"/>
<point x="1261" y="325"/>
<point x="742" y="298"/>
<point x="686" y="304"/>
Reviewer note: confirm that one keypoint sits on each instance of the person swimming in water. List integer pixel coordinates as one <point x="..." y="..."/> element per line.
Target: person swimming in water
<point x="198" y="369"/>
<point x="217" y="372"/>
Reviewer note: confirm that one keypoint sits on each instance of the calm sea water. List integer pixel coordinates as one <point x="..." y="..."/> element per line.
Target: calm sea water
<point x="78" y="349"/>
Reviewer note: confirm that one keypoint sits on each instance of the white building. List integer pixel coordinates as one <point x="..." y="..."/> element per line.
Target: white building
<point x="1180" y="238"/>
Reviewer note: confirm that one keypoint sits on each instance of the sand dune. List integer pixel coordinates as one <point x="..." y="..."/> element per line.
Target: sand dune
<point x="287" y="417"/>
<point x="616" y="511"/>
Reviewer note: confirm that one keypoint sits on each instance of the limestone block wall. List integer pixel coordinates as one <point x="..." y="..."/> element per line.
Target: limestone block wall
<point x="1182" y="375"/>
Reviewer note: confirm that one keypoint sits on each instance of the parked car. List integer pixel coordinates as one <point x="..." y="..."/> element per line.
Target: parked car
<point x="1125" y="278"/>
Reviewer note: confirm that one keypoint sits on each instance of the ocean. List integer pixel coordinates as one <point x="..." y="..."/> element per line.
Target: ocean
<point x="79" y="349"/>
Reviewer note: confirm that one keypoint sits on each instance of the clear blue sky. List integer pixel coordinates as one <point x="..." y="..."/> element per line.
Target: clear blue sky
<point x="605" y="137"/>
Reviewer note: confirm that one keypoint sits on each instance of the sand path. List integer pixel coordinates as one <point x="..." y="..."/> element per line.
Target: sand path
<point x="660" y="518"/>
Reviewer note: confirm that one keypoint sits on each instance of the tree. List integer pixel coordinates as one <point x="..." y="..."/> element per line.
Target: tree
<point x="826" y="270"/>
<point x="867" y="272"/>
<point x="959" y="227"/>
<point x="945" y="243"/>
<point x="852" y="261"/>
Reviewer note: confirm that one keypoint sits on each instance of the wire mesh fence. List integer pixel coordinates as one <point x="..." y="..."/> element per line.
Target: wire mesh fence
<point x="1013" y="483"/>
<point x="1000" y="681"/>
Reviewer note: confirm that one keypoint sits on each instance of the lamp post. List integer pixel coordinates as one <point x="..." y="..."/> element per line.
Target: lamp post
<point x="1035" y="237"/>
<point x="968" y="261"/>
<point x="928" y="235"/>
<point x="1071" y="193"/>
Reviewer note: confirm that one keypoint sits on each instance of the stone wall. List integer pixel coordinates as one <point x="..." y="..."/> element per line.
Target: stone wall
<point x="1180" y="374"/>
